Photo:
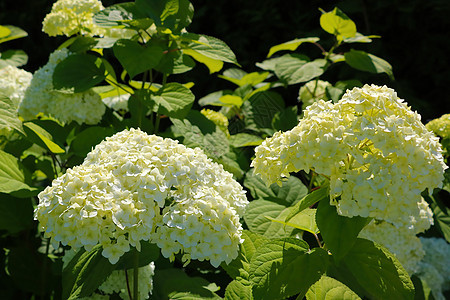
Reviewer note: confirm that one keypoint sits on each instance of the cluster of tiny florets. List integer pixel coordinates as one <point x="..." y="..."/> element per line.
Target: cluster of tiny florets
<point x="312" y="92"/>
<point x="440" y="126"/>
<point x="375" y="150"/>
<point x="402" y="242"/>
<point x="40" y="97"/>
<point x="135" y="187"/>
<point x="217" y="118"/>
<point x="434" y="269"/>
<point x="69" y="17"/>
<point x="14" y="82"/>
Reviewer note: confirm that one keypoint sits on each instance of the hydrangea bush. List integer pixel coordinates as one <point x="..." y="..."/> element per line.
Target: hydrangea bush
<point x="140" y="189"/>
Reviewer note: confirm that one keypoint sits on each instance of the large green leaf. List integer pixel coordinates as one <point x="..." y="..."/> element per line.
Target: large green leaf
<point x="339" y="233"/>
<point x="258" y="217"/>
<point x="88" y="138"/>
<point x="175" y="62"/>
<point x="175" y="284"/>
<point x="307" y="201"/>
<point x="15" y="58"/>
<point x="78" y="73"/>
<point x="210" y="47"/>
<point x="173" y="100"/>
<point x="173" y="14"/>
<point x="295" y="70"/>
<point x="198" y="131"/>
<point x="85" y="273"/>
<point x="41" y="137"/>
<point x="214" y="65"/>
<point x="378" y="271"/>
<point x="149" y="252"/>
<point x="14" y="33"/>
<point x="291" y="45"/>
<point x="330" y="288"/>
<point x="12" y="178"/>
<point x="239" y="268"/>
<point x="338" y="24"/>
<point x="251" y="79"/>
<point x="236" y="290"/>
<point x="136" y="58"/>
<point x="260" y="109"/>
<point x="8" y="114"/>
<point x="15" y="214"/>
<point x="244" y="140"/>
<point x="364" y="61"/>
<point x="122" y="15"/>
<point x="441" y="213"/>
<point x="284" y="267"/>
<point x="285" y="119"/>
<point x="291" y="190"/>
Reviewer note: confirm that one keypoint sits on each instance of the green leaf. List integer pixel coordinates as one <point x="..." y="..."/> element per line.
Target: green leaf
<point x="15" y="33"/>
<point x="236" y="290"/>
<point x="174" y="100"/>
<point x="251" y="79"/>
<point x="8" y="115"/>
<point x="231" y="100"/>
<point x="339" y="233"/>
<point x="213" y="98"/>
<point x="441" y="214"/>
<point x="198" y="131"/>
<point x="40" y="136"/>
<point x="291" y="45"/>
<point x="364" y="61"/>
<point x="307" y="201"/>
<point x="136" y="58"/>
<point x="422" y="290"/>
<point x="214" y="65"/>
<point x="15" y="58"/>
<point x="291" y="191"/>
<point x="78" y="73"/>
<point x="260" y="109"/>
<point x="285" y="119"/>
<point x="175" y="284"/>
<point x="304" y="220"/>
<point x="85" y="273"/>
<point x="122" y="15"/>
<point x="256" y="218"/>
<point x="238" y="269"/>
<point x="338" y="24"/>
<point x="330" y="288"/>
<point x="294" y="70"/>
<point x="173" y="14"/>
<point x="244" y="140"/>
<point x="15" y="214"/>
<point x="210" y="47"/>
<point x="88" y="138"/>
<point x="175" y="62"/>
<point x="284" y="267"/>
<point x="378" y="271"/>
<point x="4" y="31"/>
<point x="12" y="178"/>
<point x="359" y="38"/>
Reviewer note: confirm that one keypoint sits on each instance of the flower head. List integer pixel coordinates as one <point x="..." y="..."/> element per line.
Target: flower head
<point x="440" y="126"/>
<point x="217" y="118"/>
<point x="376" y="151"/>
<point x="134" y="187"/>
<point x="312" y="92"/>
<point x="14" y="82"/>
<point x="40" y="97"/>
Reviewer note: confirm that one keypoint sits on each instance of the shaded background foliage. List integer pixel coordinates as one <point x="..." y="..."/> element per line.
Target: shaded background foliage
<point x="414" y="40"/>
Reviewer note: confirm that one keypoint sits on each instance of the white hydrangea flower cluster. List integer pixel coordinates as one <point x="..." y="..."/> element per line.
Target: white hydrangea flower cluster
<point x="117" y="282"/>
<point x="134" y="187"/>
<point x="69" y="17"/>
<point x="440" y="126"/>
<point x="40" y="97"/>
<point x="118" y="103"/>
<point x="402" y="242"/>
<point x="14" y="82"/>
<point x="434" y="269"/>
<point x="310" y="92"/>
<point x="376" y="151"/>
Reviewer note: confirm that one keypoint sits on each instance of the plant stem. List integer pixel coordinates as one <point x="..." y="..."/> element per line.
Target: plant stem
<point x="158" y="118"/>
<point x="128" y="284"/>
<point x="318" y="241"/>
<point x="136" y="277"/>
